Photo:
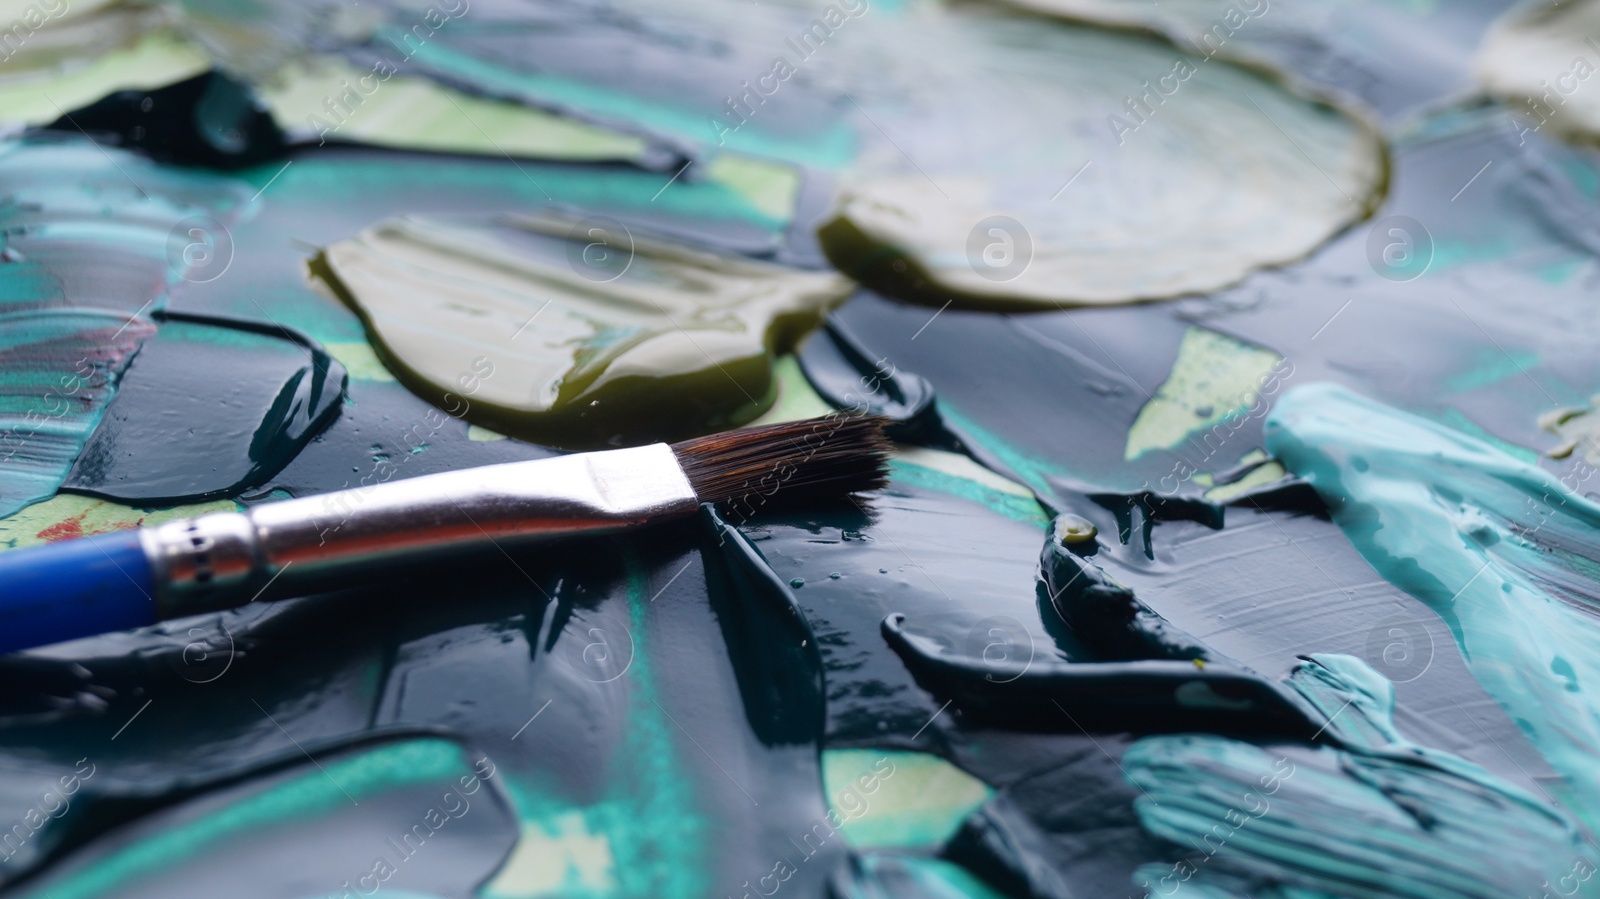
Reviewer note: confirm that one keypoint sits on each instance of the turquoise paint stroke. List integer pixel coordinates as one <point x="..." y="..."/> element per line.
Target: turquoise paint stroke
<point x="880" y="875"/>
<point x="1025" y="509"/>
<point x="1382" y="817"/>
<point x="106" y="219"/>
<point x="653" y="833"/>
<point x="318" y="180"/>
<point x="319" y="791"/>
<point x="1504" y="552"/>
<point x="1033" y="473"/>
<point x="58" y="372"/>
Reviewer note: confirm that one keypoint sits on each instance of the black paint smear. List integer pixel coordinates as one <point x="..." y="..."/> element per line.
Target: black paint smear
<point x="499" y="652"/>
<point x="1144" y="696"/>
<point x="226" y="414"/>
<point x="209" y="120"/>
<point x="1068" y="831"/>
<point x="951" y="562"/>
<point x="1060" y="387"/>
<point x="769" y="642"/>
<point x="1141" y="673"/>
<point x="842" y="373"/>
<point x="1274" y="586"/>
<point x="1107" y="616"/>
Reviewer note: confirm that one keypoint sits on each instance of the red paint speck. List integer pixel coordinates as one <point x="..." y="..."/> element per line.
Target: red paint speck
<point x="70" y="529"/>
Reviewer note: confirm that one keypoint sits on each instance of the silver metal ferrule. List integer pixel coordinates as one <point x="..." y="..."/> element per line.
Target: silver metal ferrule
<point x="303" y="545"/>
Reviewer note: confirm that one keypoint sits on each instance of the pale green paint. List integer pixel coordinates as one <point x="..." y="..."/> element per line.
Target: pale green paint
<point x="153" y="60"/>
<point x="1263" y="475"/>
<point x="771" y="188"/>
<point x="328" y="179"/>
<point x="1213" y="379"/>
<point x="1025" y="509"/>
<point x="359" y="360"/>
<point x="890" y="799"/>
<point x="93" y="516"/>
<point x="797" y="399"/>
<point x="959" y="466"/>
<point x="415" y="113"/>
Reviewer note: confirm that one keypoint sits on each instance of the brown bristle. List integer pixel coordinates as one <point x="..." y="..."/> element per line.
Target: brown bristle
<point x="813" y="460"/>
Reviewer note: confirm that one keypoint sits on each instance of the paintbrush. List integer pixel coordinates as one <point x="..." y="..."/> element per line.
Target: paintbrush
<point x="112" y="582"/>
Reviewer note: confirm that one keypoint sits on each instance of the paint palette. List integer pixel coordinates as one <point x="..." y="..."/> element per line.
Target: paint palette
<point x="1240" y="539"/>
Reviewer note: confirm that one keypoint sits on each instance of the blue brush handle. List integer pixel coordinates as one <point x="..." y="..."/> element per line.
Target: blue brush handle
<point x="75" y="588"/>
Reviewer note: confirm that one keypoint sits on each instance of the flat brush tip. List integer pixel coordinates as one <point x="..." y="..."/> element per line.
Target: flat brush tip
<point x="798" y="461"/>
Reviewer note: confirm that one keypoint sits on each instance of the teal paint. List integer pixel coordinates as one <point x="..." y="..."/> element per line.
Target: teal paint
<point x="1033" y="473"/>
<point x="1456" y="420"/>
<point x="1501" y="549"/>
<point x="830" y="148"/>
<point x="881" y="875"/>
<point x="1379" y="817"/>
<point x="664" y="852"/>
<point x="318" y="791"/>
<point x="321" y="179"/>
<point x="1491" y="366"/>
<point x="651" y="829"/>
<point x="1025" y="509"/>
<point x="58" y="373"/>
<point x="73" y="315"/>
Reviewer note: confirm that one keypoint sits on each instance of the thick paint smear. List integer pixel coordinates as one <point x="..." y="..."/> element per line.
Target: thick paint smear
<point x="1126" y="667"/>
<point x="77" y="53"/>
<point x="1382" y="816"/>
<point x="1214" y="379"/>
<point x="267" y="392"/>
<point x="937" y="546"/>
<point x="60" y="371"/>
<point x="478" y="648"/>
<point x="575" y="332"/>
<point x="1063" y="828"/>
<point x="897" y="800"/>
<point x="644" y="720"/>
<point x="68" y="517"/>
<point x="1537" y="61"/>
<point x="318" y="197"/>
<point x="1397" y="57"/>
<point x="208" y="120"/>
<point x="1579" y="430"/>
<point x="93" y="240"/>
<point x="151" y="66"/>
<point x="1500" y="549"/>
<point x="1128" y="164"/>
<point x="963" y="86"/>
<point x="387" y="108"/>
